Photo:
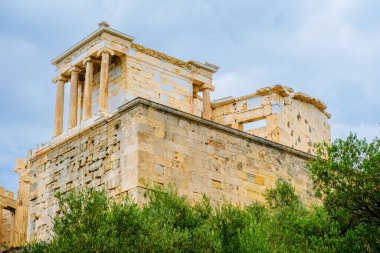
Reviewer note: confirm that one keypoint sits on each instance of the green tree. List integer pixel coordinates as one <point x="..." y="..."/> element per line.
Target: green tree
<point x="283" y="195"/>
<point x="346" y="175"/>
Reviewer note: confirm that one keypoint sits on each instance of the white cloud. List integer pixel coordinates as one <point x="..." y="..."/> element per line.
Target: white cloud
<point x="368" y="131"/>
<point x="241" y="82"/>
<point x="15" y="141"/>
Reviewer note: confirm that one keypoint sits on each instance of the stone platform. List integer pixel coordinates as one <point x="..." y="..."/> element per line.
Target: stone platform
<point x="149" y="142"/>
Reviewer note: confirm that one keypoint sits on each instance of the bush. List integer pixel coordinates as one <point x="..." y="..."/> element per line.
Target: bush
<point x="90" y="222"/>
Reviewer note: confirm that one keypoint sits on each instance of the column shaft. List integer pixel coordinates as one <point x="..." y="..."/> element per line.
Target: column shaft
<point x="103" y="93"/>
<point x="73" y="106"/>
<point x="88" y="83"/>
<point x="59" y="99"/>
<point x="206" y="104"/>
<point x="80" y="101"/>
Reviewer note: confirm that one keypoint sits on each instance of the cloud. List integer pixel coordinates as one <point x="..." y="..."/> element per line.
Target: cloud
<point x="368" y="131"/>
<point x="15" y="141"/>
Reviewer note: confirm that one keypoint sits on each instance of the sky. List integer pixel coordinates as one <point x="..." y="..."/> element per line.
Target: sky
<point x="329" y="49"/>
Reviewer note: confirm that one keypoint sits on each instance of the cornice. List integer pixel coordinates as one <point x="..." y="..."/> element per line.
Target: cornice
<point x="90" y="37"/>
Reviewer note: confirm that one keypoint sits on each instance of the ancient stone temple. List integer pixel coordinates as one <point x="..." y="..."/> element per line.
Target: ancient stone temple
<point x="137" y="115"/>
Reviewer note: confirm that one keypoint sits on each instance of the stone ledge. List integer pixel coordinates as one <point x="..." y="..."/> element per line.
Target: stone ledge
<point x="93" y="35"/>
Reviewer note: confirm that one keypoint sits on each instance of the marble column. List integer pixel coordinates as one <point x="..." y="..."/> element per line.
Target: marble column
<point x="73" y="106"/>
<point x="104" y="72"/>
<point x="59" y="99"/>
<point x="206" y="103"/>
<point x="80" y="101"/>
<point x="88" y="83"/>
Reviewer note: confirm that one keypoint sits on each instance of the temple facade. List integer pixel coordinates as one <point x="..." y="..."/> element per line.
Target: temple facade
<point x="137" y="115"/>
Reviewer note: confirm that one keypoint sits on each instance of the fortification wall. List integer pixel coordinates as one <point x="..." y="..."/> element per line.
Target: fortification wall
<point x="102" y="156"/>
<point x="148" y="142"/>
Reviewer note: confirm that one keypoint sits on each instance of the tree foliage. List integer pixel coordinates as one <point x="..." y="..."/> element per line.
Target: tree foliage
<point x="347" y="175"/>
<point x="90" y="222"/>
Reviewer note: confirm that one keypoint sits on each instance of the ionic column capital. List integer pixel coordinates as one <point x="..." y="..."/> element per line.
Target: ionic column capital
<point x="75" y="69"/>
<point x="90" y="59"/>
<point x="105" y="50"/>
<point x="207" y="86"/>
<point x="60" y="78"/>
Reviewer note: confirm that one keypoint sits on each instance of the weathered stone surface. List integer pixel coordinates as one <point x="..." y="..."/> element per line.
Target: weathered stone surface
<point x="7" y="211"/>
<point x="21" y="215"/>
<point x="198" y="156"/>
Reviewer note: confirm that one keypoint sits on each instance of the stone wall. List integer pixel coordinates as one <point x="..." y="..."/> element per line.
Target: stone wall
<point x="302" y="124"/>
<point x="158" y="81"/>
<point x="148" y="142"/>
<point x="21" y="214"/>
<point x="14" y="213"/>
<point x="6" y="227"/>
<point x="102" y="157"/>
<point x="199" y="156"/>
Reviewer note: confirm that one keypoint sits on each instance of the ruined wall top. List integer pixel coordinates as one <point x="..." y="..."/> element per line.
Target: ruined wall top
<point x="7" y="200"/>
<point x="279" y="114"/>
<point x="283" y="91"/>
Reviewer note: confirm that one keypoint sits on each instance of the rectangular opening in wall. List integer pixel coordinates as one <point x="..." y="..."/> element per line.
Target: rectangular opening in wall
<point x="254" y="124"/>
<point x="163" y="98"/>
<point x="276" y="108"/>
<point x="254" y="102"/>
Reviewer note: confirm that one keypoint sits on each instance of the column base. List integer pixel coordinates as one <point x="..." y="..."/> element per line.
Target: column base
<point x="104" y="114"/>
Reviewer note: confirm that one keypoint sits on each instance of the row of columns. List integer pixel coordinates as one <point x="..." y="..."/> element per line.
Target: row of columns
<point x="105" y="55"/>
